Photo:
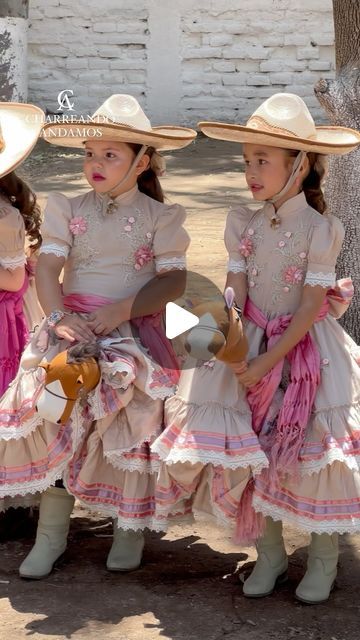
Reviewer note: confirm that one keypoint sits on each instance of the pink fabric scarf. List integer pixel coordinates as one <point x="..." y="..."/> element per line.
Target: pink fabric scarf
<point x="13" y="333"/>
<point x="290" y="430"/>
<point x="150" y="329"/>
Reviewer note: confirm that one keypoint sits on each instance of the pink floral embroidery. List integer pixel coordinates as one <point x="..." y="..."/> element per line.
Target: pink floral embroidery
<point x="288" y="234"/>
<point x="302" y="255"/>
<point x="251" y="232"/>
<point x="78" y="226"/>
<point x="160" y="379"/>
<point x="293" y="275"/>
<point x="281" y="244"/>
<point x="246" y="247"/>
<point x="143" y="255"/>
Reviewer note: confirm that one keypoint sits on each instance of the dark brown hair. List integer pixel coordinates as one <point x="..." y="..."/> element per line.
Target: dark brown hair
<point x="148" y="181"/>
<point x="312" y="183"/>
<point x="22" y="197"/>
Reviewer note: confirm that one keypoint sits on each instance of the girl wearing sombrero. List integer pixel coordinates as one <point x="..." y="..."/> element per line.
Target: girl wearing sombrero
<point x="111" y="242"/>
<point x="20" y="127"/>
<point x="302" y="376"/>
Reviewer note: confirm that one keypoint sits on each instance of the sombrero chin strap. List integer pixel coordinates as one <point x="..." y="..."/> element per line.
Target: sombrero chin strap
<point x="294" y="174"/>
<point x="108" y="195"/>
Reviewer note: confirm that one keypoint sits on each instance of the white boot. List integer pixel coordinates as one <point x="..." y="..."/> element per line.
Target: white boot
<point x="126" y="551"/>
<point x="56" y="506"/>
<point x="321" y="571"/>
<point x="272" y="563"/>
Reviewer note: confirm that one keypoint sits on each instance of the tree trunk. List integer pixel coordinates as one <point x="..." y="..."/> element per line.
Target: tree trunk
<point x="13" y="49"/>
<point x="341" y="100"/>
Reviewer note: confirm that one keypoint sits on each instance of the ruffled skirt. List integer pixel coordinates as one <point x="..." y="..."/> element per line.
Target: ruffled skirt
<point x="208" y="448"/>
<point x="324" y="497"/>
<point x="102" y="453"/>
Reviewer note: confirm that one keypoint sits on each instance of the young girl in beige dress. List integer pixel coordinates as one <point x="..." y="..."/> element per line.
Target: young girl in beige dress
<point x="302" y="375"/>
<point x="111" y="242"/>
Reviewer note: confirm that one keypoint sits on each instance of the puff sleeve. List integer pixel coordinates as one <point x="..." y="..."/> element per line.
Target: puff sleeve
<point x="12" y="238"/>
<point x="325" y="245"/>
<point x="237" y="222"/>
<point x="170" y="241"/>
<point x="57" y="237"/>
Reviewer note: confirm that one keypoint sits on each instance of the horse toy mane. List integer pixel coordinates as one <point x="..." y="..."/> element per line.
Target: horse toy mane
<point x="69" y="374"/>
<point x="220" y="331"/>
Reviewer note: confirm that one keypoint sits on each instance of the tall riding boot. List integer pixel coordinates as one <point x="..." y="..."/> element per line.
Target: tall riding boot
<point x="271" y="565"/>
<point x="126" y="551"/>
<point x="56" y="506"/>
<point x="321" y="571"/>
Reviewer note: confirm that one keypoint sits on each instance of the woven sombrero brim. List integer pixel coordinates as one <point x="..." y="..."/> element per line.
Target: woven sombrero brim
<point x="75" y="134"/>
<point x="21" y="126"/>
<point x="328" y="140"/>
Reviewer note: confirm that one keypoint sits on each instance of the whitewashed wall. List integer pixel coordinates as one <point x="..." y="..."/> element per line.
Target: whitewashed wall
<point x="184" y="59"/>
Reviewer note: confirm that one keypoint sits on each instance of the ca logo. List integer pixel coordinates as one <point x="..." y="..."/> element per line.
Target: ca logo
<point x="64" y="101"/>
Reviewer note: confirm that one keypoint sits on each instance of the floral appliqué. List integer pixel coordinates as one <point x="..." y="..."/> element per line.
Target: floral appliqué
<point x="293" y="275"/>
<point x="78" y="226"/>
<point x="246" y="246"/>
<point x="142" y="256"/>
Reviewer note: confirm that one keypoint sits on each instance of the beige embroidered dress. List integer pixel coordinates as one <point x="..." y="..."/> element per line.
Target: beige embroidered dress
<point x="102" y="453"/>
<point x="208" y="447"/>
<point x="278" y="262"/>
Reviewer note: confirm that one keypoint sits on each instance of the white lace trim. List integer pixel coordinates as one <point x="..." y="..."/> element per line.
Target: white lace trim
<point x="303" y="523"/>
<point x="35" y="486"/>
<point x="56" y="249"/>
<point x="139" y="466"/>
<point x="320" y="279"/>
<point x="13" y="263"/>
<point x="329" y="457"/>
<point x="23" y="431"/>
<point x="257" y="461"/>
<point x="167" y="264"/>
<point x="236" y="266"/>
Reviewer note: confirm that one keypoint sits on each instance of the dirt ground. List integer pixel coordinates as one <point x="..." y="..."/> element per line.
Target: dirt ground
<point x="188" y="587"/>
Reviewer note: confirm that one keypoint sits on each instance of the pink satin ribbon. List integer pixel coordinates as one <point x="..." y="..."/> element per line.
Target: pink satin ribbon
<point x="150" y="329"/>
<point x="13" y="333"/>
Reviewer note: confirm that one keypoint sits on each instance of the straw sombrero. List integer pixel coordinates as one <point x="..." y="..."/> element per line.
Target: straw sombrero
<point x="284" y="121"/>
<point x="20" y="127"/>
<point x="119" y="119"/>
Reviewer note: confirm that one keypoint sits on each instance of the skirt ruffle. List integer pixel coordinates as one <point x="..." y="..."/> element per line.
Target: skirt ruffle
<point x="103" y="452"/>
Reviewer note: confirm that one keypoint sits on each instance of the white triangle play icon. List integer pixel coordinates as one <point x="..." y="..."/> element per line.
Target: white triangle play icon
<point x="178" y="320"/>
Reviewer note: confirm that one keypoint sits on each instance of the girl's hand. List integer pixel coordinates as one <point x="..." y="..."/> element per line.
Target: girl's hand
<point x="255" y="371"/>
<point x="104" y="320"/>
<point x="238" y="367"/>
<point x="73" y="327"/>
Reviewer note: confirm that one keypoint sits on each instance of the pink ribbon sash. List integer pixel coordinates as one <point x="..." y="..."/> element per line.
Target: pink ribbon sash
<point x="150" y="329"/>
<point x="13" y="333"/>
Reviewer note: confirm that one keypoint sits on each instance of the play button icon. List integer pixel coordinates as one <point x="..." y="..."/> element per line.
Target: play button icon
<point x="178" y="320"/>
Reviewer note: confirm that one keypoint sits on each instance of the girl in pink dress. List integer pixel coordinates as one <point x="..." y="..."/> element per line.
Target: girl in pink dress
<point x="20" y="127"/>
<point x="110" y="242"/>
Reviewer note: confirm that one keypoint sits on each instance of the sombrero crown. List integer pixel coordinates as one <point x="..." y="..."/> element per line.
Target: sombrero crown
<point x="120" y="118"/>
<point x="285" y="121"/>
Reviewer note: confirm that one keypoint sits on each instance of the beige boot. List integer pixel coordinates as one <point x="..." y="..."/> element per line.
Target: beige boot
<point x="56" y="506"/>
<point x="126" y="551"/>
<point x="321" y="572"/>
<point x="271" y="565"/>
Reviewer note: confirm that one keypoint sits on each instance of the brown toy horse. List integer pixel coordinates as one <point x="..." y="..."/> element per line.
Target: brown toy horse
<point x="220" y="331"/>
<point x="68" y="375"/>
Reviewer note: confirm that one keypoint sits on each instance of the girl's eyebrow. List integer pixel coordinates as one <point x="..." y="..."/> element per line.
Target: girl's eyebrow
<point x="257" y="154"/>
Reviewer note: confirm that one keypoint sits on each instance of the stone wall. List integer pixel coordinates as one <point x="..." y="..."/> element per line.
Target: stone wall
<point x="184" y="60"/>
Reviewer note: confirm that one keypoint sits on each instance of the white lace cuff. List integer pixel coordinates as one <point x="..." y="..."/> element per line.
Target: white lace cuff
<point x="13" y="263"/>
<point x="56" y="249"/>
<point x="167" y="264"/>
<point x="320" y="279"/>
<point x="236" y="266"/>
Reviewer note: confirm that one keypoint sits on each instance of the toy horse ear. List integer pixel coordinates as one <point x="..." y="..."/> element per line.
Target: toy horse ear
<point x="80" y="380"/>
<point x="229" y="296"/>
